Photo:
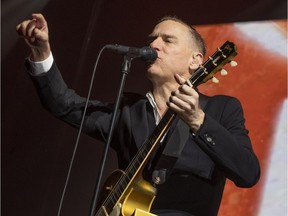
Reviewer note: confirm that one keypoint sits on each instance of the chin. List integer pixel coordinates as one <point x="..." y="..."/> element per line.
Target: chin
<point x="150" y="72"/>
<point x="152" y="68"/>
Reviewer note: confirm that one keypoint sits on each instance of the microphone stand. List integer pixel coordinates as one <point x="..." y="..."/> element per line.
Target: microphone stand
<point x="125" y="70"/>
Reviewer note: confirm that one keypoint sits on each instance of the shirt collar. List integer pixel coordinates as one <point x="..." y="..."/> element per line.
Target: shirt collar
<point x="151" y="100"/>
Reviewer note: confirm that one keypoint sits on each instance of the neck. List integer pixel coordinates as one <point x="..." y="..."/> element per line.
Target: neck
<point x="161" y="95"/>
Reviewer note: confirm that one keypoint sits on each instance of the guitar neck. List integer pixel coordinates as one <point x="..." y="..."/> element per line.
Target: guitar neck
<point x="147" y="148"/>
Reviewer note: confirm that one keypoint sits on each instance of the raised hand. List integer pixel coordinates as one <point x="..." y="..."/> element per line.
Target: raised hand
<point x="35" y="34"/>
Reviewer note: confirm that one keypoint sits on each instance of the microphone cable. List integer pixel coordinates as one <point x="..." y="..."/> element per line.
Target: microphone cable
<point x="79" y="132"/>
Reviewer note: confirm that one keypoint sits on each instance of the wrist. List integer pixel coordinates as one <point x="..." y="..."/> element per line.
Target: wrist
<point x="198" y="122"/>
<point x="40" y="54"/>
<point x="38" y="67"/>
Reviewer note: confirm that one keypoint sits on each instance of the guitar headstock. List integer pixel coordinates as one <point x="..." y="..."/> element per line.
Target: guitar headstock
<point x="215" y="63"/>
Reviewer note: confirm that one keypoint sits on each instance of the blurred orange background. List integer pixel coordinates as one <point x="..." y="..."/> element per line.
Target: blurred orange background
<point x="260" y="82"/>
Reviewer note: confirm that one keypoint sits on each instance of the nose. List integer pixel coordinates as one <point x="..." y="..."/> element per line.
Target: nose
<point x="156" y="43"/>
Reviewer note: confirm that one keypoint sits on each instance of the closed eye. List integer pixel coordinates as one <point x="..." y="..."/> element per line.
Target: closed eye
<point x="151" y="39"/>
<point x="169" y="39"/>
<point x="165" y="37"/>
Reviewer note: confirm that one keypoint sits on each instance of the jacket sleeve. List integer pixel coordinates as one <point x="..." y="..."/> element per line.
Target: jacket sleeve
<point x="65" y="104"/>
<point x="225" y="139"/>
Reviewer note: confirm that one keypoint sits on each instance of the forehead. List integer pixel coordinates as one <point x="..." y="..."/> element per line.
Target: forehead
<point x="171" y="27"/>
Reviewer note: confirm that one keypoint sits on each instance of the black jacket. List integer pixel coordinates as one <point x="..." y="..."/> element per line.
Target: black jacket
<point x="221" y="149"/>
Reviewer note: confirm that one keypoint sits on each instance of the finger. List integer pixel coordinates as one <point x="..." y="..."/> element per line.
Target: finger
<point x="190" y="97"/>
<point x="40" y="20"/>
<point x="21" y="28"/>
<point x="185" y="89"/>
<point x="180" y="80"/>
<point x="186" y="93"/>
<point x="181" y="95"/>
<point x="179" y="103"/>
<point x="174" y="107"/>
<point x="188" y="82"/>
<point x="30" y="28"/>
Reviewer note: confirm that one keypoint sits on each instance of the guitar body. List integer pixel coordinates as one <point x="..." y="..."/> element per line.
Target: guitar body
<point x="136" y="200"/>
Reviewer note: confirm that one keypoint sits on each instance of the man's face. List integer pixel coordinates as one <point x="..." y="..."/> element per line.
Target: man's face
<point x="173" y="43"/>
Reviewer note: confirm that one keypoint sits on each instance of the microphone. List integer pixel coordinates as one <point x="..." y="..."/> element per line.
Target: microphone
<point x="147" y="54"/>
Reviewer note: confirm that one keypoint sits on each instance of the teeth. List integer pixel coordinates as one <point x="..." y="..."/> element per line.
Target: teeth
<point x="233" y="63"/>
<point x="223" y="72"/>
<point x="215" y="80"/>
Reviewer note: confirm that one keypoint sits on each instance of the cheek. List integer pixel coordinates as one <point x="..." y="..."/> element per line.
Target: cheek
<point x="179" y="62"/>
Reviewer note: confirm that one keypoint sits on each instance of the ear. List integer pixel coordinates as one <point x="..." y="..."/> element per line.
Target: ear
<point x="196" y="60"/>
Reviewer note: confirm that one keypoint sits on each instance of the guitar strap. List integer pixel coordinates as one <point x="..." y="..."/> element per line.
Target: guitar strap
<point x="179" y="135"/>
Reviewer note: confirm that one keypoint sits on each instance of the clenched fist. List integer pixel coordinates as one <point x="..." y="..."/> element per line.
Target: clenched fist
<point x="35" y="33"/>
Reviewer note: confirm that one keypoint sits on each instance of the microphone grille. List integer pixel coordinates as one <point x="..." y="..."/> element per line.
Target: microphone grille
<point x="148" y="54"/>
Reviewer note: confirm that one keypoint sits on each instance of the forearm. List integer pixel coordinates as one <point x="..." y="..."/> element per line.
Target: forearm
<point x="232" y="153"/>
<point x="67" y="105"/>
<point x="225" y="139"/>
<point x="54" y="94"/>
<point x="52" y="90"/>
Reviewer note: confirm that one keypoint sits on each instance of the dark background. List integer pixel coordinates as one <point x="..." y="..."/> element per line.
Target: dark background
<point x="36" y="147"/>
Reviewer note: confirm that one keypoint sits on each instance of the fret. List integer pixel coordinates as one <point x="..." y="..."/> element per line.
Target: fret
<point x="151" y="139"/>
<point x="122" y="186"/>
<point x="144" y="152"/>
<point x="117" y="190"/>
<point x="129" y="177"/>
<point x="115" y="199"/>
<point x="134" y="166"/>
<point x="101" y="212"/>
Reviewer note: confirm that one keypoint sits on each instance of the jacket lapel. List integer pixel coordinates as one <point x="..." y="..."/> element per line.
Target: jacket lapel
<point x="142" y="121"/>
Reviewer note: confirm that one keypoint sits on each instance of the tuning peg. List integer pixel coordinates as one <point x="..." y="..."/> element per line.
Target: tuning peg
<point x="215" y="80"/>
<point x="223" y="72"/>
<point x="233" y="63"/>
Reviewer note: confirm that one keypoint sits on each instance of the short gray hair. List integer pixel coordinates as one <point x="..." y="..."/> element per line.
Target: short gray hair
<point x="199" y="41"/>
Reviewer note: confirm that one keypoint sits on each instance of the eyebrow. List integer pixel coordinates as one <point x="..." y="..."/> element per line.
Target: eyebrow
<point x="166" y="36"/>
